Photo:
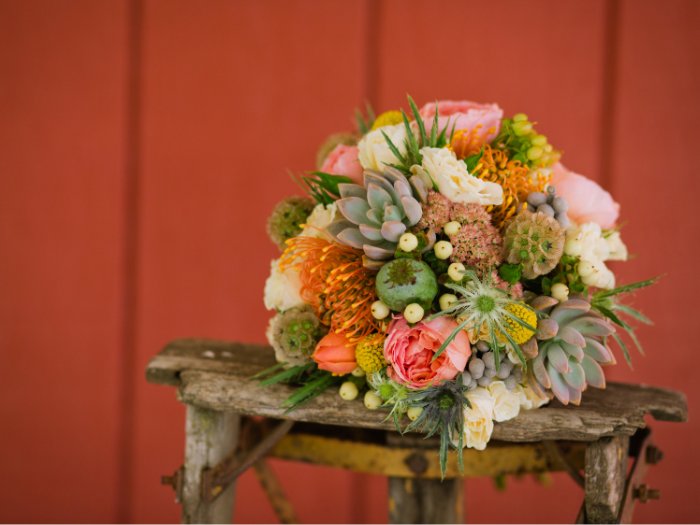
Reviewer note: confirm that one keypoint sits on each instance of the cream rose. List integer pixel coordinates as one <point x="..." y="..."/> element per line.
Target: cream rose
<point x="282" y="288"/>
<point x="529" y="398"/>
<point x="478" y="420"/>
<point x="373" y="150"/>
<point x="441" y="168"/>
<point x="316" y="223"/>
<point x="506" y="403"/>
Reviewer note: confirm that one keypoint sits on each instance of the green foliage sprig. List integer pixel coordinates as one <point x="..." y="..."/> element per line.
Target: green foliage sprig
<point x="413" y="145"/>
<point x="322" y="187"/>
<point x="606" y="303"/>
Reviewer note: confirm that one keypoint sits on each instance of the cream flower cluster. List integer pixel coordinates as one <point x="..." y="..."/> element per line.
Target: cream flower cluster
<point x="593" y="247"/>
<point x="494" y="403"/>
<point x="374" y="152"/>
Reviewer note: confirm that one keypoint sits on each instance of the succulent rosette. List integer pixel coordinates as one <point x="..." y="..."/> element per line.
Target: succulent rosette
<point x="445" y="267"/>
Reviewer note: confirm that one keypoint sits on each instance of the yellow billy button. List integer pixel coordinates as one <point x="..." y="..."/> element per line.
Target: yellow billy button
<point x="443" y="250"/>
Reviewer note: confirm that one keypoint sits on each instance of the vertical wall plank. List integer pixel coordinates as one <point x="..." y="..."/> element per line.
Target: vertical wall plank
<point x="63" y="74"/>
<point x="235" y="94"/>
<point x="655" y="179"/>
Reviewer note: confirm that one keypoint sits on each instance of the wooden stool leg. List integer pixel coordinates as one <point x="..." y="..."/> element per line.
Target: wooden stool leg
<point x="426" y="500"/>
<point x="211" y="436"/>
<point x="606" y="471"/>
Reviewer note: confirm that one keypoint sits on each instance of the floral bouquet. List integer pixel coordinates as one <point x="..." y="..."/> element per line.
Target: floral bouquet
<point x="448" y="268"/>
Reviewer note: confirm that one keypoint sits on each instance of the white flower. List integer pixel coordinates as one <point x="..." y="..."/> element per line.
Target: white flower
<point x="282" y="288"/>
<point x="529" y="398"/>
<point x="373" y="150"/>
<point x="617" y="249"/>
<point x="442" y="168"/>
<point x="318" y="221"/>
<point x="586" y="241"/>
<point x="478" y="420"/>
<point x="506" y="404"/>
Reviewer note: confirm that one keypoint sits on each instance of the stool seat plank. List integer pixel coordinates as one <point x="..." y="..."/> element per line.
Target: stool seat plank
<point x="216" y="375"/>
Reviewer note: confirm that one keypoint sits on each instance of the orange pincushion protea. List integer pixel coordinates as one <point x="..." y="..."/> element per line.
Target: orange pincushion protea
<point x="467" y="142"/>
<point x="516" y="180"/>
<point x="335" y="283"/>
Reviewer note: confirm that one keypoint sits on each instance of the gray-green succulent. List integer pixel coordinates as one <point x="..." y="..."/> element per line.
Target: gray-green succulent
<point x="570" y="348"/>
<point x="376" y="214"/>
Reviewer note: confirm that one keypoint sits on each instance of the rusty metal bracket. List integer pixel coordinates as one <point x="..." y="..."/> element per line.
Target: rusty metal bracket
<point x="216" y="479"/>
<point x="175" y="480"/>
<point x="646" y="454"/>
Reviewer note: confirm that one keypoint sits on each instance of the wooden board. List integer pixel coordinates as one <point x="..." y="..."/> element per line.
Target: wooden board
<point x="216" y="375"/>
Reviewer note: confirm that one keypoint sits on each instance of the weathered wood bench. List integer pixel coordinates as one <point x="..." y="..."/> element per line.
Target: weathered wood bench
<point x="603" y="444"/>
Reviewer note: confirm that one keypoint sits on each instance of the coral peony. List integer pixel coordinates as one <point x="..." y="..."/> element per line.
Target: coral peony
<point x="343" y="160"/>
<point x="480" y="123"/>
<point x="410" y="351"/>
<point x="587" y="201"/>
<point x="335" y="353"/>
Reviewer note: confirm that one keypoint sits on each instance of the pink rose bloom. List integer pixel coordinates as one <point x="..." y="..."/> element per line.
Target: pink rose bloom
<point x="410" y="351"/>
<point x="476" y="120"/>
<point x="587" y="201"/>
<point x="343" y="160"/>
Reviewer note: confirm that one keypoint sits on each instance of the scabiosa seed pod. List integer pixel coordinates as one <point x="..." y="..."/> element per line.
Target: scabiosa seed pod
<point x="286" y="219"/>
<point x="536" y="241"/>
<point x="294" y="334"/>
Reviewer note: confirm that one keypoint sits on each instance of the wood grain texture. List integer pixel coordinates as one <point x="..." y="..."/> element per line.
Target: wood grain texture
<point x="216" y="375"/>
<point x="606" y="471"/>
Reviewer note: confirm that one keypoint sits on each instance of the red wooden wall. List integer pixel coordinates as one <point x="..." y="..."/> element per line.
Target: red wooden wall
<point x="143" y="143"/>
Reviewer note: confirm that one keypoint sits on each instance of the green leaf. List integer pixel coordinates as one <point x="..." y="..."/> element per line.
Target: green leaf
<point x="310" y="390"/>
<point x="636" y="314"/>
<point x="473" y="160"/>
<point x="288" y="374"/>
<point x="623" y="346"/>
<point x="268" y="371"/>
<point x="394" y="150"/>
<point x="627" y="288"/>
<point x="511" y="273"/>
<point x="419" y="120"/>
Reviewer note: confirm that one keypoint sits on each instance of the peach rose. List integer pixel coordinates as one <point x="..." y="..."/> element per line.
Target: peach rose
<point x="334" y="353"/>
<point x="343" y="160"/>
<point x="481" y="122"/>
<point x="410" y="351"/>
<point x="587" y="201"/>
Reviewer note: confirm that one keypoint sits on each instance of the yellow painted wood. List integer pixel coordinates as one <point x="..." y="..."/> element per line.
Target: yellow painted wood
<point x="498" y="458"/>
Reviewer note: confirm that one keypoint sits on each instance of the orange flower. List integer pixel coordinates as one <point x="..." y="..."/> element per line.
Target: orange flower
<point x="335" y="283"/>
<point x="516" y="180"/>
<point x="335" y="353"/>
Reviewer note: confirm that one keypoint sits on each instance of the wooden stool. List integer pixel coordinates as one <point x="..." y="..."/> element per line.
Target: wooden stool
<point x="224" y="438"/>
